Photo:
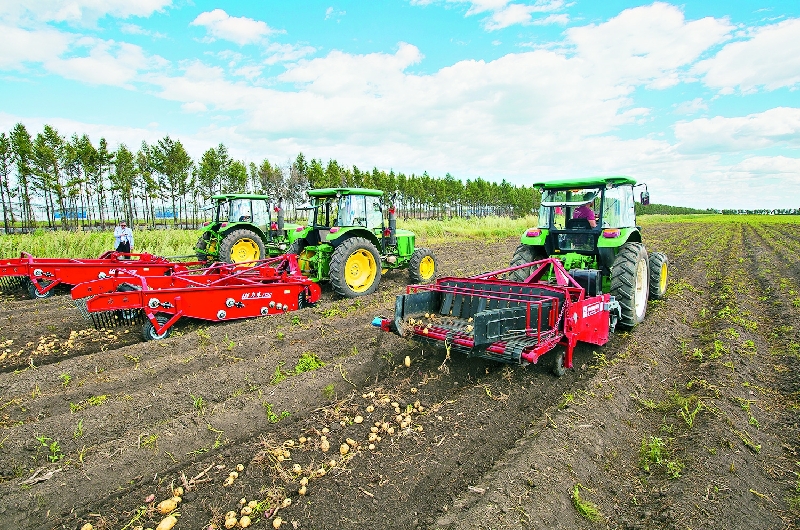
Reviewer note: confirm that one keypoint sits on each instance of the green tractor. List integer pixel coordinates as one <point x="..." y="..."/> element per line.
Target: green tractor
<point x="590" y="225"/>
<point x="347" y="242"/>
<point x="243" y="229"/>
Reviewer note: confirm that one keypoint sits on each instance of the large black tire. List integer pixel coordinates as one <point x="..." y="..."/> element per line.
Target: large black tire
<point x="524" y="254"/>
<point x="659" y="270"/>
<point x="294" y="248"/>
<point x="35" y="294"/>
<point x="201" y="247"/>
<point x="558" y="363"/>
<point x="355" y="268"/>
<point x="630" y="284"/>
<point x="240" y="246"/>
<point x="422" y="266"/>
<point x="149" y="331"/>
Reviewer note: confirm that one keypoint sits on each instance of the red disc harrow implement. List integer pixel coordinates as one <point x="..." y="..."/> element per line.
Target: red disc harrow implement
<point x="41" y="275"/>
<point x="218" y="293"/>
<point x="507" y="321"/>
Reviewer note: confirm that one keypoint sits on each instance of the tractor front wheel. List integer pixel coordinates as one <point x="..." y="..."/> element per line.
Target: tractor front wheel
<point x="659" y="269"/>
<point x="630" y="284"/>
<point x="241" y="246"/>
<point x="355" y="268"/>
<point x="149" y="331"/>
<point x="559" y="369"/>
<point x="201" y="248"/>
<point x="524" y="254"/>
<point x="422" y="266"/>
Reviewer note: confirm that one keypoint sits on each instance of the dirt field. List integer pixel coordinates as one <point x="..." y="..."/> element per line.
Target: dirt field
<point x="689" y="421"/>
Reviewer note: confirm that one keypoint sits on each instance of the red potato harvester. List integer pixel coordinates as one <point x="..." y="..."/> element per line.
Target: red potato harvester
<point x="508" y="321"/>
<point x="41" y="275"/>
<point x="218" y="293"/>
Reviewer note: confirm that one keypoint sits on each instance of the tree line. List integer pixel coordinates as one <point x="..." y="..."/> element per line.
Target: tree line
<point x="58" y="182"/>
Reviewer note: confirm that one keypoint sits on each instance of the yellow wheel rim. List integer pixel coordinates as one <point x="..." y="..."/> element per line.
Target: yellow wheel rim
<point x="304" y="261"/>
<point x="244" y="250"/>
<point x="427" y="267"/>
<point x="662" y="281"/>
<point x="360" y="270"/>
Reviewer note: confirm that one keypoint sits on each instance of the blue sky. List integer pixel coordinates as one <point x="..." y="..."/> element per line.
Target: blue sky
<point x="698" y="99"/>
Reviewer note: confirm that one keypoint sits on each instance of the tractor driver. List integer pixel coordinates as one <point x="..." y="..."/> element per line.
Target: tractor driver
<point x="584" y="211"/>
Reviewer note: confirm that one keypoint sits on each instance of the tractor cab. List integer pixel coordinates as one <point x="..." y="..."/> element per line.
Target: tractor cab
<point x="348" y="241"/>
<point x="244" y="228"/>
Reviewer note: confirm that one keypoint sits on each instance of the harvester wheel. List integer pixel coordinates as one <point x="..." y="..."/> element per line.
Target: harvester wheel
<point x="524" y="254"/>
<point x="629" y="283"/>
<point x="422" y="266"/>
<point x="149" y="331"/>
<point x="35" y="294"/>
<point x="355" y="268"/>
<point x="558" y="364"/>
<point x="241" y="245"/>
<point x="659" y="269"/>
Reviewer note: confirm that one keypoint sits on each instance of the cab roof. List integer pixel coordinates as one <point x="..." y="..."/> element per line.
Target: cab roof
<point x="584" y="182"/>
<point x="330" y="192"/>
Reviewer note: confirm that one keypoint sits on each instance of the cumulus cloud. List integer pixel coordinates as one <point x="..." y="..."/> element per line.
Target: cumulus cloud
<point x="770" y="58"/>
<point x="505" y="13"/>
<point x="649" y="44"/>
<point x="742" y="133"/>
<point x="23" y="46"/>
<point x="240" y="30"/>
<point x="85" y="12"/>
<point x="107" y="63"/>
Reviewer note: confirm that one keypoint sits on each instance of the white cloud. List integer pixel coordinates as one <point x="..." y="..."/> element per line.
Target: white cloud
<point x="561" y="20"/>
<point x="85" y="12"/>
<point x="23" y="46"/>
<point x="505" y="13"/>
<point x="281" y="53"/>
<point x="240" y="30"/>
<point x="690" y="107"/>
<point x="647" y="44"/>
<point x="766" y="129"/>
<point x="770" y="59"/>
<point x="194" y="106"/>
<point x="331" y="12"/>
<point x="134" y="29"/>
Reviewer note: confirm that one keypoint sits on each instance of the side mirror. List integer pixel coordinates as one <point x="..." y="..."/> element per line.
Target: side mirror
<point x="645" y="198"/>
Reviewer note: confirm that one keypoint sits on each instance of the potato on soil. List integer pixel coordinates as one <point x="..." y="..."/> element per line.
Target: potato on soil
<point x="277" y="522"/>
<point x="166" y="506"/>
<point x="244" y="522"/>
<point x="167" y="523"/>
<point x="87" y="526"/>
<point x="231" y="522"/>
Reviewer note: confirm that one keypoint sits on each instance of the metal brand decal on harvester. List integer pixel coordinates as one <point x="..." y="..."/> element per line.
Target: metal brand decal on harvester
<point x="256" y="295"/>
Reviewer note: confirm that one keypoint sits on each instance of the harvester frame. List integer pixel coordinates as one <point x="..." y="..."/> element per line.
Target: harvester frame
<point x="40" y="276"/>
<point x="504" y="320"/>
<point x="218" y="293"/>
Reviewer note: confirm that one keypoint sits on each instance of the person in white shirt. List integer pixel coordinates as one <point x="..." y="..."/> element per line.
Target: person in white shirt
<point x="123" y="238"/>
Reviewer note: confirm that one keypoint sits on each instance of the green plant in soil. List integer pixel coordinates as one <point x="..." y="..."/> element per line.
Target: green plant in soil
<point x="65" y="379"/>
<point x="272" y="417"/>
<point x="52" y="446"/>
<point x="78" y="430"/>
<point x="199" y="403"/>
<point x="93" y="401"/>
<point x="307" y="362"/>
<point x="148" y="441"/>
<point x="586" y="509"/>
<point x="328" y="391"/>
<point x="278" y="375"/>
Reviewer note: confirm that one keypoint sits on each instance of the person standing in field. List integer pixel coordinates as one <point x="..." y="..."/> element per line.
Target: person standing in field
<point x="123" y="238"/>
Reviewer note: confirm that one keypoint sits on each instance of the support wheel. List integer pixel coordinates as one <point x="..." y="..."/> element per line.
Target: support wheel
<point x="34" y="293"/>
<point x="630" y="284"/>
<point x="524" y="254"/>
<point x="149" y="331"/>
<point x="355" y="268"/>
<point x="558" y="364"/>
<point x="422" y="266"/>
<point x="240" y="246"/>
<point x="659" y="269"/>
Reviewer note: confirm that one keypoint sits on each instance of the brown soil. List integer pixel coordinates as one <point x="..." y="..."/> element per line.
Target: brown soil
<point x="708" y="383"/>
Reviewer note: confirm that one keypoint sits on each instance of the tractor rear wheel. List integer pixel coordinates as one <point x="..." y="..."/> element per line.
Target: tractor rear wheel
<point x="524" y="254"/>
<point x="34" y="293"/>
<point x="629" y="283"/>
<point x="659" y="269"/>
<point x="149" y="331"/>
<point x="422" y="266"/>
<point x="355" y="268"/>
<point x="240" y="246"/>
